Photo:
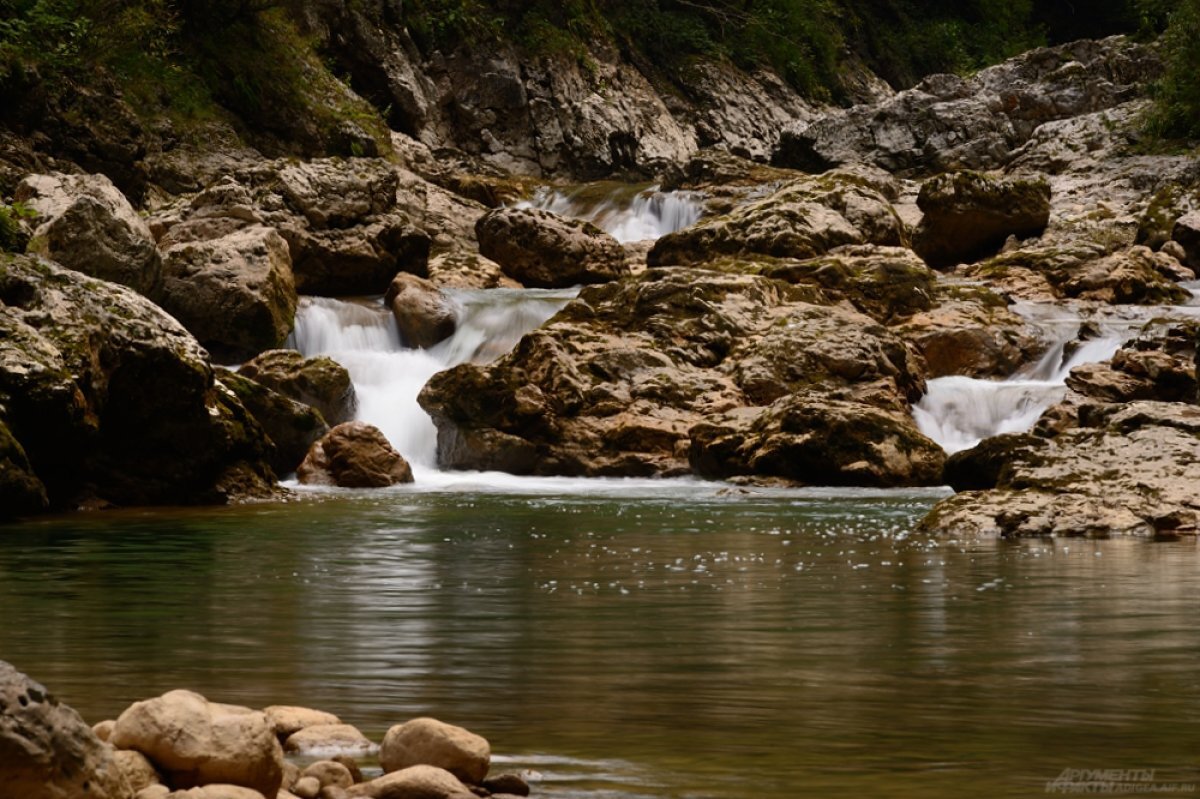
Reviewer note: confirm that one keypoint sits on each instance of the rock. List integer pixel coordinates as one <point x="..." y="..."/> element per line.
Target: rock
<point x="103" y="729"/>
<point x="1127" y="469"/>
<point x="138" y="770"/>
<point x="968" y="215"/>
<point x="153" y="792"/>
<point x="195" y="742"/>
<point x="426" y="741"/>
<point x="511" y="784"/>
<point x="235" y="293"/>
<point x="46" y="749"/>
<point x="814" y="440"/>
<point x="805" y="218"/>
<point x="21" y="492"/>
<point x="415" y="782"/>
<point x="337" y="193"/>
<point x="354" y="455"/>
<point x="982" y="467"/>
<point x="217" y="792"/>
<point x="329" y="739"/>
<point x="329" y="772"/>
<point x="307" y="787"/>
<point x="292" y="426"/>
<point x="291" y="773"/>
<point x="287" y="719"/>
<point x="86" y="224"/>
<point x="1159" y="365"/>
<point x="1186" y="233"/>
<point x="358" y="260"/>
<point x="614" y="384"/>
<point x="320" y="382"/>
<point x="949" y="122"/>
<point x="424" y="314"/>
<point x="351" y="765"/>
<point x="540" y="249"/>
<point x="111" y="398"/>
<point x="468" y="270"/>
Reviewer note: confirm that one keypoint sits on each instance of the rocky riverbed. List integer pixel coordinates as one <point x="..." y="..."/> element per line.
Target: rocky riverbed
<point x="182" y="746"/>
<point x="785" y="336"/>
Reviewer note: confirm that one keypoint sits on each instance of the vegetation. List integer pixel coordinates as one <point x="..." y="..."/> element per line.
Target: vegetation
<point x="12" y="237"/>
<point x="1177" y="112"/>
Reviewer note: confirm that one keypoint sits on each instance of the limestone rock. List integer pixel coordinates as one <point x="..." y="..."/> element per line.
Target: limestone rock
<point x="426" y="741"/>
<point x="320" y="382"/>
<point x="424" y="314"/>
<point x="46" y="749"/>
<point x="293" y="427"/>
<point x="287" y="719"/>
<point x="358" y="260"/>
<point x="354" y="455"/>
<point x="86" y="224"/>
<point x="415" y="782"/>
<point x="110" y="397"/>
<point x="805" y="218"/>
<point x="983" y="466"/>
<point x="968" y="214"/>
<point x="328" y="739"/>
<point x="235" y="293"/>
<point x="540" y="249"/>
<point x="329" y="772"/>
<point x="197" y="743"/>
<point x="138" y="770"/>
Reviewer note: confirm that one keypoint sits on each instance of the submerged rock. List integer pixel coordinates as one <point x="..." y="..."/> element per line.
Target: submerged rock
<point x="541" y="249"/>
<point x="47" y="751"/>
<point x="968" y="214"/>
<point x="354" y="455"/>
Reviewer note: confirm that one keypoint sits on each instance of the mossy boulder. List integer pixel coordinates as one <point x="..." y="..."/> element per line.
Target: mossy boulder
<point x="293" y="427"/>
<point x="320" y="381"/>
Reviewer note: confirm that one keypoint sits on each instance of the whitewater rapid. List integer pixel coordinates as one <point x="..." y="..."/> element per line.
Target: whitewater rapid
<point x="627" y="213"/>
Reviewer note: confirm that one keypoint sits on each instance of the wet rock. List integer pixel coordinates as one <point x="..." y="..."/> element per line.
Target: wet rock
<point x="968" y="214"/>
<point x="426" y="741"/>
<point x="950" y="122"/>
<point x="1159" y="365"/>
<point x="21" y="492"/>
<point x="46" y="749"/>
<point x="354" y="455"/>
<point x="982" y="467"/>
<point x="424" y="314"/>
<point x="200" y="743"/>
<point x="805" y="218"/>
<point x="329" y="772"/>
<point x="85" y="223"/>
<point x="111" y="398"/>
<point x="511" y="784"/>
<point x="328" y="739"/>
<point x="415" y="782"/>
<point x="544" y="250"/>
<point x="468" y="270"/>
<point x="292" y="426"/>
<point x="615" y="382"/>
<point x="1128" y="469"/>
<point x="320" y="382"/>
<point x="235" y="293"/>
<point x="287" y="719"/>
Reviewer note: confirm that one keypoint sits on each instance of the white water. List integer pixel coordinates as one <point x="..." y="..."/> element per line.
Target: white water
<point x="387" y="377"/>
<point x="627" y="214"/>
<point x="959" y="412"/>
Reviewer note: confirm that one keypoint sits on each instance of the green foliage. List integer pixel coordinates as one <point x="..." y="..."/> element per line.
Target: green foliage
<point x="12" y="235"/>
<point x="1177" y="108"/>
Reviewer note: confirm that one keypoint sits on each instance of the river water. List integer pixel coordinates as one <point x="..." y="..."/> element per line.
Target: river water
<point x="628" y="639"/>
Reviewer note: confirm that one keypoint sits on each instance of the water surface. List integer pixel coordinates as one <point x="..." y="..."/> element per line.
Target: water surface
<point x="638" y="639"/>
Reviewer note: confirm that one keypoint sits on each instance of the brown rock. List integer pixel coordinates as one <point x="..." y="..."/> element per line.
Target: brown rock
<point x="320" y="382"/>
<point x="354" y="455"/>
<point x="138" y="770"/>
<point x="307" y="788"/>
<point x="46" y="749"/>
<point x="424" y="314"/>
<point x="415" y="782"/>
<point x="329" y="772"/>
<point x="426" y="741"/>
<point x="287" y="719"/>
<point x="217" y="791"/>
<point x="196" y="742"/>
<point x="544" y="250"/>
<point x="508" y="783"/>
<point x="292" y="426"/>
<point x="328" y="739"/>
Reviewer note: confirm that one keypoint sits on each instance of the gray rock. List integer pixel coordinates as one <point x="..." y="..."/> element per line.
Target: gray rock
<point x="544" y="250"/>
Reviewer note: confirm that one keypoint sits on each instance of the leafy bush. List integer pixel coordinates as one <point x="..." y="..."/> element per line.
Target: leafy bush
<point x="12" y="234"/>
<point x="1177" y="110"/>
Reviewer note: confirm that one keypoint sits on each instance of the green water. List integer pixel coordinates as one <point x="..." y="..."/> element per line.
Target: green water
<point x="648" y="642"/>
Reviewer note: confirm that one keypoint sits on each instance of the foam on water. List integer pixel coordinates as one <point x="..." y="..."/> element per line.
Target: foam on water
<point x="626" y="213"/>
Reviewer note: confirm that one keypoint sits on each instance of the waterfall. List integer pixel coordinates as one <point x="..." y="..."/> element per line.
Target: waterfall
<point x="363" y="337"/>
<point x="627" y="213"/>
<point x="959" y="412"/>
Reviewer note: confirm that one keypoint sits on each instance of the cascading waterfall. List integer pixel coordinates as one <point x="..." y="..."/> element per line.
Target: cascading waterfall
<point x="363" y="337"/>
<point x="627" y="213"/>
<point x="959" y="412"/>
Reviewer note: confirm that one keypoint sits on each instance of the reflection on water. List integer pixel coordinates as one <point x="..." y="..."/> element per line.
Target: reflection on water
<point x="676" y="643"/>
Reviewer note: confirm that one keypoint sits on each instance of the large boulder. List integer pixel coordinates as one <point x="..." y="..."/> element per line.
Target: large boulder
<point x="293" y="427"/>
<point x="329" y="740"/>
<point x="354" y="455"/>
<point x="426" y="741"/>
<point x="424" y="314"/>
<point x="112" y="399"/>
<point x="805" y="218"/>
<point x="616" y="382"/>
<point x="234" y="293"/>
<point x="195" y="742"/>
<point x="47" y="751"/>
<point x="969" y="214"/>
<point x="85" y="223"/>
<point x="541" y="249"/>
<point x="320" y="382"/>
<point x="1127" y="469"/>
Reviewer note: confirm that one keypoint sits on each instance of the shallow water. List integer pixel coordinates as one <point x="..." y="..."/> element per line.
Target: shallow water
<point x="638" y="639"/>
